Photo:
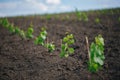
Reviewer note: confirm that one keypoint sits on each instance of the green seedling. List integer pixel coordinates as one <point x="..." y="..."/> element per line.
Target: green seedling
<point x="67" y="17"/>
<point x="5" y="23"/>
<point x="96" y="54"/>
<point x="78" y="14"/>
<point x="81" y="16"/>
<point x="22" y="34"/>
<point x="17" y="30"/>
<point x="29" y="32"/>
<point x="50" y="47"/>
<point x="97" y="20"/>
<point x="48" y="16"/>
<point x="66" y="50"/>
<point x="11" y="28"/>
<point x="84" y="17"/>
<point x="41" y="38"/>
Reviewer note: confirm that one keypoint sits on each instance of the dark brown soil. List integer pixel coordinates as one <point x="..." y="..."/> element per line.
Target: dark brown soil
<point x="22" y="60"/>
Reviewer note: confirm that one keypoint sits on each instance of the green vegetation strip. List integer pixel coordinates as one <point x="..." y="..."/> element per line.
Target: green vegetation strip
<point x="95" y="52"/>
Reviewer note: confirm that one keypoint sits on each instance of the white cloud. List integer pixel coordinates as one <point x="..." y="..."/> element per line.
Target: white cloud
<point x="37" y="5"/>
<point x="24" y="4"/>
<point x="54" y="2"/>
<point x="63" y="7"/>
<point x="31" y="7"/>
<point x="8" y="5"/>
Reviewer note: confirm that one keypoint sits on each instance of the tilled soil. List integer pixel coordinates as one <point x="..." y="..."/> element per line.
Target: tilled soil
<point x="23" y="60"/>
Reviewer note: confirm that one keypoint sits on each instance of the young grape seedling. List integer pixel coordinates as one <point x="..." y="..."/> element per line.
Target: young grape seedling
<point x="17" y="30"/>
<point x="66" y="50"/>
<point x="41" y="38"/>
<point x="29" y="32"/>
<point x="11" y="28"/>
<point x="81" y="16"/>
<point x="50" y="47"/>
<point x="96" y="54"/>
<point x="5" y="22"/>
<point x="22" y="34"/>
<point x="48" y="16"/>
<point x="97" y="20"/>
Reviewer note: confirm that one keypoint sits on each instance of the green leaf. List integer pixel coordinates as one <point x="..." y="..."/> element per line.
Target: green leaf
<point x="40" y="41"/>
<point x="17" y="30"/>
<point x="43" y="37"/>
<point x="50" y="46"/>
<point x="66" y="55"/>
<point x="95" y="67"/>
<point x="99" y="40"/>
<point x="5" y="22"/>
<point x="44" y="32"/>
<point x="71" y="41"/>
<point x="29" y="32"/>
<point x="22" y="34"/>
<point x="30" y="36"/>
<point x="62" y="54"/>
<point x="70" y="36"/>
<point x="92" y="50"/>
<point x="102" y="57"/>
<point x="97" y="52"/>
<point x="98" y="60"/>
<point x="63" y="47"/>
<point x="70" y="50"/>
<point x="36" y="41"/>
<point x="11" y="28"/>
<point x="101" y="48"/>
<point x="65" y="39"/>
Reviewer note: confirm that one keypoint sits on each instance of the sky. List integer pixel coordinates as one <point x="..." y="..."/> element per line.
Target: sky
<point x="25" y="7"/>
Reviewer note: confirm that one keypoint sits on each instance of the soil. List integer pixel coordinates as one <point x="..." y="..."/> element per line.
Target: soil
<point x="23" y="60"/>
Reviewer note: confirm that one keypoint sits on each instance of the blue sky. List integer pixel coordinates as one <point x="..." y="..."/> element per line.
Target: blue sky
<point x="24" y="7"/>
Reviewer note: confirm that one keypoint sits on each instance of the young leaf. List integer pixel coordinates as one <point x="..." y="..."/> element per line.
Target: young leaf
<point x="50" y="46"/>
<point x="99" y="40"/>
<point x="70" y="50"/>
<point x="62" y="54"/>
